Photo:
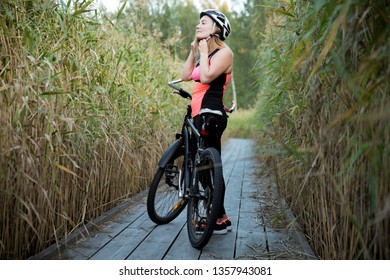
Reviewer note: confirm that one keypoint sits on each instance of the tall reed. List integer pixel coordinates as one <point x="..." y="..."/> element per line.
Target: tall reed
<point x="324" y="105"/>
<point x="84" y="113"/>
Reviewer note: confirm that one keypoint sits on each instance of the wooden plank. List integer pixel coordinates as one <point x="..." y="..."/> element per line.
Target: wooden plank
<point x="91" y="244"/>
<point x="121" y="246"/>
<point x="130" y="234"/>
<point x="285" y="243"/>
<point x="249" y="201"/>
<point x="250" y="234"/>
<point x="282" y="245"/>
<point x="158" y="242"/>
<point x="83" y="249"/>
<point x="251" y="237"/>
<point x="223" y="246"/>
<point x="181" y="249"/>
<point x="170" y="254"/>
<point x="111" y="222"/>
<point x="220" y="244"/>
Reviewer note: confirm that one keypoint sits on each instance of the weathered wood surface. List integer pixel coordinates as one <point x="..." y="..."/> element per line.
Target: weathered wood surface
<point x="251" y="201"/>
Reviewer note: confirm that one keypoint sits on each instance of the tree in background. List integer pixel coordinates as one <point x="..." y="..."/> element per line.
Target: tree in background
<point x="173" y="23"/>
<point x="247" y="26"/>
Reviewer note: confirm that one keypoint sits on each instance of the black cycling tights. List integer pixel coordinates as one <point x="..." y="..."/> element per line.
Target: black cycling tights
<point x="217" y="125"/>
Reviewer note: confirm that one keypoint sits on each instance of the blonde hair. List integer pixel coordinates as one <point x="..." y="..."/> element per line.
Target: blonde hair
<point x="216" y="42"/>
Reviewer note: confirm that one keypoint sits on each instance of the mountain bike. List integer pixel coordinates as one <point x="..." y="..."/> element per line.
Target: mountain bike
<point x="187" y="177"/>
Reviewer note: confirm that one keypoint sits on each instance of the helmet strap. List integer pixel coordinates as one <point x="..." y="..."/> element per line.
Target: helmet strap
<point x="213" y="30"/>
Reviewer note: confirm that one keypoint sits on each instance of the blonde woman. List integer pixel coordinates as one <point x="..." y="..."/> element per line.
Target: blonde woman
<point x="211" y="73"/>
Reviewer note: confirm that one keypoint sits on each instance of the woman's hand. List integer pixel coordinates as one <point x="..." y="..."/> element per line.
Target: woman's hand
<point x="203" y="47"/>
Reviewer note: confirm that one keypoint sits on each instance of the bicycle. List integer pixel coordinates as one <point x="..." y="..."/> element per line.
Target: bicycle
<point x="183" y="178"/>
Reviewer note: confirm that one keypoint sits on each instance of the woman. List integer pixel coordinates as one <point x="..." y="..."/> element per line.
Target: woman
<point x="211" y="74"/>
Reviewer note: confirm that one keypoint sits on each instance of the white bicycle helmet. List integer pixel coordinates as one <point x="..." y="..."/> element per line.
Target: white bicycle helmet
<point x="221" y="20"/>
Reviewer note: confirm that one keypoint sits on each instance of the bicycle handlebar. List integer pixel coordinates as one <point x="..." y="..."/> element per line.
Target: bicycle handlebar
<point x="231" y="109"/>
<point x="173" y="84"/>
<point x="186" y="94"/>
<point x="181" y="92"/>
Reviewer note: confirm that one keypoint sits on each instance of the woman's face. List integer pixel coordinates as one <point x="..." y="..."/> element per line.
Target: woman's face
<point x="204" y="28"/>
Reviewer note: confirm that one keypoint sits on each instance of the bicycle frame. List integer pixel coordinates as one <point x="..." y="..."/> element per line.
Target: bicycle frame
<point x="188" y="129"/>
<point x="183" y="140"/>
<point x="191" y="167"/>
<point x="188" y="172"/>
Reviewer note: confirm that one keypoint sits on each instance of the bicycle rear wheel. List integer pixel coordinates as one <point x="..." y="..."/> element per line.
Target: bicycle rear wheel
<point x="204" y="206"/>
<point x="163" y="202"/>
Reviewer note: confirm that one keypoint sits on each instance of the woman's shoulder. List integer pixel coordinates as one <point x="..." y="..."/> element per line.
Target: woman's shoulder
<point x="224" y="52"/>
<point x="224" y="58"/>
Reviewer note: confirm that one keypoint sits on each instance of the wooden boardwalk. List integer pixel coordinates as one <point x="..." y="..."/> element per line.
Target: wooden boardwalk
<point x="262" y="227"/>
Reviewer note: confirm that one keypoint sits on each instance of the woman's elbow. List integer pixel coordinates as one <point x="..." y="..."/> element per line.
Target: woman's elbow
<point x="205" y="80"/>
<point x="186" y="78"/>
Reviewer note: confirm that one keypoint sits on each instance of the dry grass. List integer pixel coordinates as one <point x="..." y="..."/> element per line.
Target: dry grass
<point x="324" y="110"/>
<point x="85" y="115"/>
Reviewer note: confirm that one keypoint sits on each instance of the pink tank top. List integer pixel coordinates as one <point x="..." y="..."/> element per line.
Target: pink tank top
<point x="208" y="96"/>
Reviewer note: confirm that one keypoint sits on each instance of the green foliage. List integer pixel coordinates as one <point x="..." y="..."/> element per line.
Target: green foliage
<point x="324" y="99"/>
<point x="244" y="40"/>
<point x="85" y="115"/>
<point x="85" y="112"/>
<point x="174" y="22"/>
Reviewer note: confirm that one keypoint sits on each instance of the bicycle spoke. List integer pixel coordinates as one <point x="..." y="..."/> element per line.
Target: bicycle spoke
<point x="164" y="200"/>
<point x="167" y="200"/>
<point x="204" y="207"/>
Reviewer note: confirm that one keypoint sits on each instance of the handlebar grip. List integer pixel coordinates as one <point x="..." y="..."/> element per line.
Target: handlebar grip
<point x="185" y="94"/>
<point x="181" y="91"/>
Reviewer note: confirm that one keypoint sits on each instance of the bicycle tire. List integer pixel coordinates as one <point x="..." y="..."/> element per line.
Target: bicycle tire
<point x="163" y="201"/>
<point x="203" y="209"/>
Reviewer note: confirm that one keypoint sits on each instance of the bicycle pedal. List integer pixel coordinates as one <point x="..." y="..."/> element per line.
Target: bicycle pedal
<point x="171" y="171"/>
<point x="171" y="174"/>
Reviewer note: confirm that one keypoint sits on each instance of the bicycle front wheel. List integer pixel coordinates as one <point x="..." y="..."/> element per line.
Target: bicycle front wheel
<point x="206" y="201"/>
<point x="164" y="203"/>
